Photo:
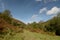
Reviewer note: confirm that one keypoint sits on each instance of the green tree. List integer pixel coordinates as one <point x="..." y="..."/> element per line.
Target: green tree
<point x="6" y="15"/>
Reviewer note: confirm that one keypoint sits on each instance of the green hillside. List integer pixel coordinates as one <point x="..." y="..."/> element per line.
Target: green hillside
<point x="27" y="35"/>
<point x="13" y="29"/>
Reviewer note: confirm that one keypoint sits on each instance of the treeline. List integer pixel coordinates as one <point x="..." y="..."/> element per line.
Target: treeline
<point x="52" y="25"/>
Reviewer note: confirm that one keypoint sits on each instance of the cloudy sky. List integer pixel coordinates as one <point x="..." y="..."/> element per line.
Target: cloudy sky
<point x="31" y="10"/>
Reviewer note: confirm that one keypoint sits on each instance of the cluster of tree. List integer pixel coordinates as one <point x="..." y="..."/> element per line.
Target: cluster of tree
<point x="6" y="15"/>
<point x="52" y="25"/>
<point x="8" y="24"/>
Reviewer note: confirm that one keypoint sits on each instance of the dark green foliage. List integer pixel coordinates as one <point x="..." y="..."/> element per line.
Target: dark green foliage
<point x="9" y="25"/>
<point x="6" y="15"/>
<point x="52" y="25"/>
<point x="16" y="24"/>
<point x="33" y="25"/>
<point x="57" y="32"/>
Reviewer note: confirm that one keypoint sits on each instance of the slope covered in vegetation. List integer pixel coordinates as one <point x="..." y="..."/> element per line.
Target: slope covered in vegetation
<point x="13" y="29"/>
<point x="52" y="25"/>
<point x="27" y="35"/>
<point x="9" y="25"/>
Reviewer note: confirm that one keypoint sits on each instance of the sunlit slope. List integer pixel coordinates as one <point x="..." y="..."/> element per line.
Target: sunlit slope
<point x="27" y="35"/>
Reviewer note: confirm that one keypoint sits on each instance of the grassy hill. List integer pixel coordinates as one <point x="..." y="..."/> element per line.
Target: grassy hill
<point x="27" y="35"/>
<point x="8" y="22"/>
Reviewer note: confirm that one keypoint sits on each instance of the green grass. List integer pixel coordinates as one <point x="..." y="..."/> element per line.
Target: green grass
<point x="27" y="35"/>
<point x="38" y="36"/>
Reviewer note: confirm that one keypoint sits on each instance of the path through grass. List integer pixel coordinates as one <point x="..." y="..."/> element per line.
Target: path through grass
<point x="27" y="35"/>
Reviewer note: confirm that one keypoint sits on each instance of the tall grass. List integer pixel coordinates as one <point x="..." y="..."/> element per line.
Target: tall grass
<point x="27" y="35"/>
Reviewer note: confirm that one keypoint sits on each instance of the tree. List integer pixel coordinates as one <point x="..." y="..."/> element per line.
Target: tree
<point x="6" y="15"/>
<point x="58" y="25"/>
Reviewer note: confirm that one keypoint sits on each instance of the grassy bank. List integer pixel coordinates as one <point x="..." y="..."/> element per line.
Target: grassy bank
<point x="27" y="35"/>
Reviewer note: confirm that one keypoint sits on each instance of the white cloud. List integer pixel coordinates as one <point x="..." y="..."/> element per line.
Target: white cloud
<point x="43" y="10"/>
<point x="34" y="16"/>
<point x="46" y="1"/>
<point x="54" y="10"/>
<point x="52" y="16"/>
<point x="38" y="0"/>
<point x="54" y="0"/>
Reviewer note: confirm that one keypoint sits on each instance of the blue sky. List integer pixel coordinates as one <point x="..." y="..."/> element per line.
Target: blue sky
<point x="31" y="10"/>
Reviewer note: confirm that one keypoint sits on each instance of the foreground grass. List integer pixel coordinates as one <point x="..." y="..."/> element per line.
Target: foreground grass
<point x="27" y="35"/>
<point x="38" y="36"/>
